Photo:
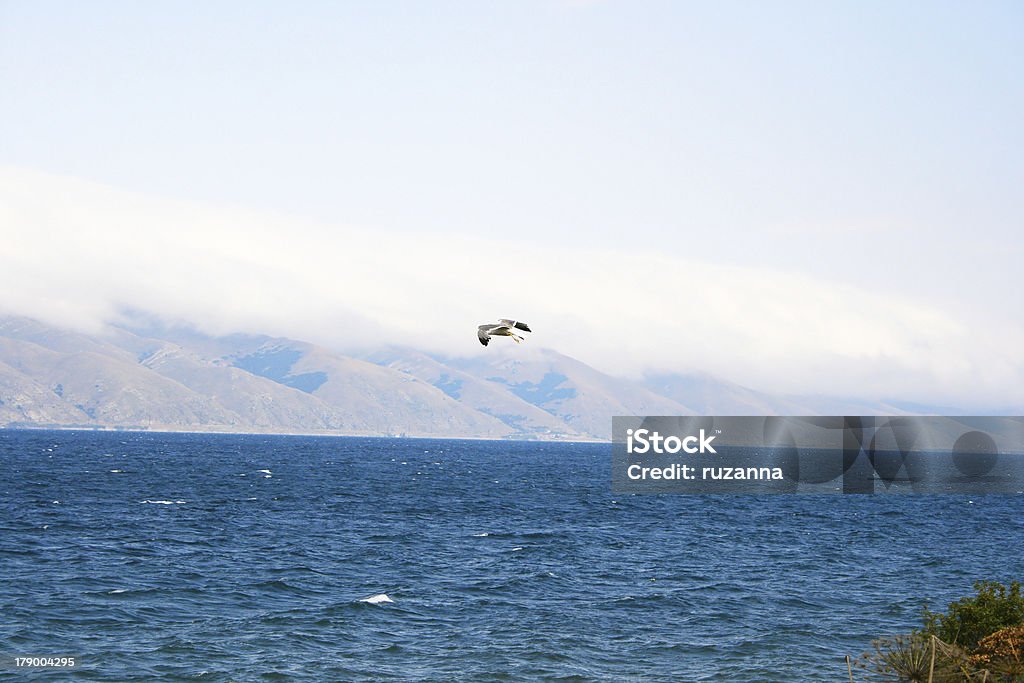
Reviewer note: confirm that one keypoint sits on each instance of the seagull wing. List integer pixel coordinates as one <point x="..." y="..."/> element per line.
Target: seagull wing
<point x="482" y="334"/>
<point x="518" y="325"/>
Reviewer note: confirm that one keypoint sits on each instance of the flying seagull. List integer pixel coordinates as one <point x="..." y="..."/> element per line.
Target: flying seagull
<point x="503" y="328"/>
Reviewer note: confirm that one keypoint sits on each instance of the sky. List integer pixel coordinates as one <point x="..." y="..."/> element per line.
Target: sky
<point x="815" y="197"/>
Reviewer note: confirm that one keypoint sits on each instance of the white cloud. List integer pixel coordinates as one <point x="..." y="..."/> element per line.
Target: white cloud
<point x="76" y="253"/>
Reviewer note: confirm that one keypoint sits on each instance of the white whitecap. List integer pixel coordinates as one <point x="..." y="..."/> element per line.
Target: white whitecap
<point x="165" y="502"/>
<point x="516" y="549"/>
<point x="117" y="471"/>
<point x="265" y="471"/>
<point x="117" y="590"/>
<point x="377" y="599"/>
<point x="481" y="534"/>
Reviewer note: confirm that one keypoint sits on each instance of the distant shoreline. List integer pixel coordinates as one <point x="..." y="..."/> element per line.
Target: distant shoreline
<point x="164" y="430"/>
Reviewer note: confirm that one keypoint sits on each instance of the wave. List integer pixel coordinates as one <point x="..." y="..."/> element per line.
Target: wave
<point x="282" y="586"/>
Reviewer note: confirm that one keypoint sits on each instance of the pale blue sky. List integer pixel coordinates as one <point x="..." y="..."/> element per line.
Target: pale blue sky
<point x="875" y="144"/>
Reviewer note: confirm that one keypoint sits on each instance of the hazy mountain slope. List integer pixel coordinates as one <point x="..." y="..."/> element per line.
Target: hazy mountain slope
<point x="25" y="401"/>
<point x="712" y="396"/>
<point x="242" y="399"/>
<point x="582" y="397"/>
<point x="373" y="399"/>
<point x="124" y="379"/>
<point x="708" y="395"/>
<point x="144" y="332"/>
<point x="487" y="397"/>
<point x="259" y="402"/>
<point x="832" y="405"/>
<point x="113" y="391"/>
<point x="56" y="339"/>
<point x="283" y="384"/>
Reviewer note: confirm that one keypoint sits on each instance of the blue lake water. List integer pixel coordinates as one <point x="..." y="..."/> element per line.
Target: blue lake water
<point x="161" y="557"/>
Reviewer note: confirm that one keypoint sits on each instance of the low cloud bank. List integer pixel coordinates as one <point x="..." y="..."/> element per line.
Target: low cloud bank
<point x="78" y="254"/>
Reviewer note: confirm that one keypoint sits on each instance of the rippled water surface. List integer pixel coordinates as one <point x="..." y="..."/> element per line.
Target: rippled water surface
<point x="157" y="557"/>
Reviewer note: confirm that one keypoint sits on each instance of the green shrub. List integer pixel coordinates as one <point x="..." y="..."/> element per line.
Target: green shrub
<point x="970" y="619"/>
<point x="978" y="638"/>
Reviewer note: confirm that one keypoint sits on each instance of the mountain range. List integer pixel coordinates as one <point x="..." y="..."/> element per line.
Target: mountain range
<point x="156" y="377"/>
